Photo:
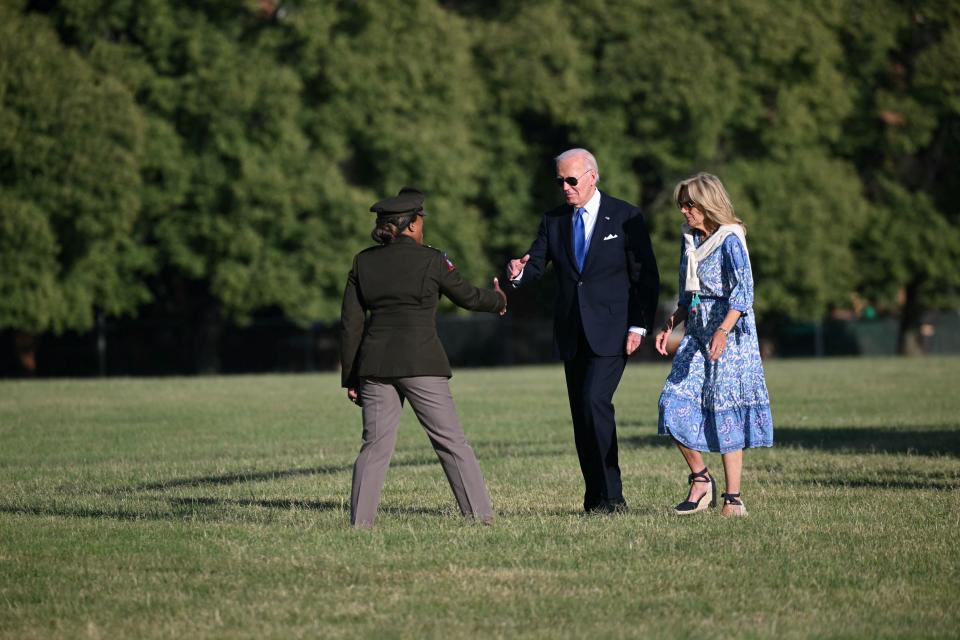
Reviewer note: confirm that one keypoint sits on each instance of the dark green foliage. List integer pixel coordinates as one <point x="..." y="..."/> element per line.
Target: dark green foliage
<point x="217" y="158"/>
<point x="907" y="146"/>
<point x="70" y="146"/>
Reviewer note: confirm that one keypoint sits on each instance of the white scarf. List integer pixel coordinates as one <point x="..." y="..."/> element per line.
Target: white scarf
<point x="695" y="254"/>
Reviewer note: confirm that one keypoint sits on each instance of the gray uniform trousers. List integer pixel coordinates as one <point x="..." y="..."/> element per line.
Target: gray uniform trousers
<point x="382" y="401"/>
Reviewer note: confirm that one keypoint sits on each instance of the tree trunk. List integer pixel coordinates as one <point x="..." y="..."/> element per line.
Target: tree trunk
<point x="209" y="328"/>
<point x="909" y="340"/>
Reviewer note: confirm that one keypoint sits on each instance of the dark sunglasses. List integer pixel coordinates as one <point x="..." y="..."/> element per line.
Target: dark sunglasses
<point x="688" y="204"/>
<point x="571" y="180"/>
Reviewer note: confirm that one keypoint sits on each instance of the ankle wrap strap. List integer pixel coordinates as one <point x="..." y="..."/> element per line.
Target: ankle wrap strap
<point x="731" y="498"/>
<point x="699" y="476"/>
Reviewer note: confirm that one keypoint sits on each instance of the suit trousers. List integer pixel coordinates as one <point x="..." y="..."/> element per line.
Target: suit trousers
<point x="591" y="382"/>
<point x="382" y="400"/>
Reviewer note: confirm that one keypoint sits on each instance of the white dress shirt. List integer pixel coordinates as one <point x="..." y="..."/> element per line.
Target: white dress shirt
<point x="591" y="209"/>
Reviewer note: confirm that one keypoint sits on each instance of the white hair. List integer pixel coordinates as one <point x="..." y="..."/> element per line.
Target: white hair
<point x="588" y="159"/>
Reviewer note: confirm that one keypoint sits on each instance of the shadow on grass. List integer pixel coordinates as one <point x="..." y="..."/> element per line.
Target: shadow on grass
<point x="208" y="508"/>
<point x="525" y="450"/>
<point x="926" y="442"/>
<point x="185" y="509"/>
<point x="85" y="512"/>
<point x="258" y="476"/>
<point x="920" y="441"/>
<point x="893" y="482"/>
<point x="189" y="507"/>
<point x="280" y="503"/>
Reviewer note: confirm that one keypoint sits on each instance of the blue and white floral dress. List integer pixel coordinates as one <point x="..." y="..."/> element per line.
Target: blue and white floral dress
<point x="724" y="405"/>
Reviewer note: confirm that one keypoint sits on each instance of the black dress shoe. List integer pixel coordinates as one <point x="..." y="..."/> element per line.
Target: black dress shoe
<point x="589" y="506"/>
<point x="618" y="506"/>
<point x="608" y="507"/>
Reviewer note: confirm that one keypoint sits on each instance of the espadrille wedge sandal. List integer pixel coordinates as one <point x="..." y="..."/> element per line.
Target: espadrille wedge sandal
<point x="707" y="500"/>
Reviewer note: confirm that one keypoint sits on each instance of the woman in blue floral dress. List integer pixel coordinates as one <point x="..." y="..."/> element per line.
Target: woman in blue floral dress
<point x="715" y="398"/>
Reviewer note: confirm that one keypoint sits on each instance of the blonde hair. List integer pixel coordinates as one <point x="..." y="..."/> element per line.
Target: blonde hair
<point x="707" y="192"/>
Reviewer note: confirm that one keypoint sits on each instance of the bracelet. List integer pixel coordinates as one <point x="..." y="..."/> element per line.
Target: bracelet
<point x="725" y="332"/>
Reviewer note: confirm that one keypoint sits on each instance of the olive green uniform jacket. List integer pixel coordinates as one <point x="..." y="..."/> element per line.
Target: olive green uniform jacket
<point x="399" y="286"/>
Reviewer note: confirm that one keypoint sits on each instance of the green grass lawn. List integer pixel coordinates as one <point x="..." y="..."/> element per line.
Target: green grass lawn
<point x="217" y="507"/>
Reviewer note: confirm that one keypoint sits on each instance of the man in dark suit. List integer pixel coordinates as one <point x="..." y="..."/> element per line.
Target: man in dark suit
<point x="607" y="289"/>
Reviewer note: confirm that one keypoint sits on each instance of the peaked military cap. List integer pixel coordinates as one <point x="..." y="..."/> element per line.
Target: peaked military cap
<point x="409" y="200"/>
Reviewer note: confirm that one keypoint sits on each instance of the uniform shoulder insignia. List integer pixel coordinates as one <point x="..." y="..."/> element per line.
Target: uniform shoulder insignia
<point x="446" y="259"/>
<point x="448" y="262"/>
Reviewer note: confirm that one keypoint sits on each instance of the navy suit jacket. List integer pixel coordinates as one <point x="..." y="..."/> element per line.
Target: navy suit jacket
<point x="619" y="285"/>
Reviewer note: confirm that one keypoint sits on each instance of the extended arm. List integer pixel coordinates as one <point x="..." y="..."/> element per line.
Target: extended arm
<point x="530" y="267"/>
<point x="463" y="294"/>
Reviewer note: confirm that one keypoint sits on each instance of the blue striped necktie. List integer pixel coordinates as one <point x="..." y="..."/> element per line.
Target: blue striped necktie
<point x="579" y="237"/>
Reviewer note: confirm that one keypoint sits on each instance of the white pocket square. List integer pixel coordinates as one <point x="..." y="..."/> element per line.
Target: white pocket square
<point x="611" y="236"/>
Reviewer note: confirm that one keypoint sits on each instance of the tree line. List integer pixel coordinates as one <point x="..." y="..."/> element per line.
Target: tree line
<point x="214" y="159"/>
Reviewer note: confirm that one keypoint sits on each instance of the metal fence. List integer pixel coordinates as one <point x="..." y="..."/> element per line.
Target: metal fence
<point x="273" y="344"/>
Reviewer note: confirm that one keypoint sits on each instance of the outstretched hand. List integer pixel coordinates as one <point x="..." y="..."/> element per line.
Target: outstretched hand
<point x="515" y="266"/>
<point x="496" y="287"/>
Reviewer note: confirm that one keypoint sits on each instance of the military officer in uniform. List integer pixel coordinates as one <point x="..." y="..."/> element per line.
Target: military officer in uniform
<point x="390" y="352"/>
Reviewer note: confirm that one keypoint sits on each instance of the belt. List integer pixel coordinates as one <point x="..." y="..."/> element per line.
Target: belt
<point x="402" y="320"/>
